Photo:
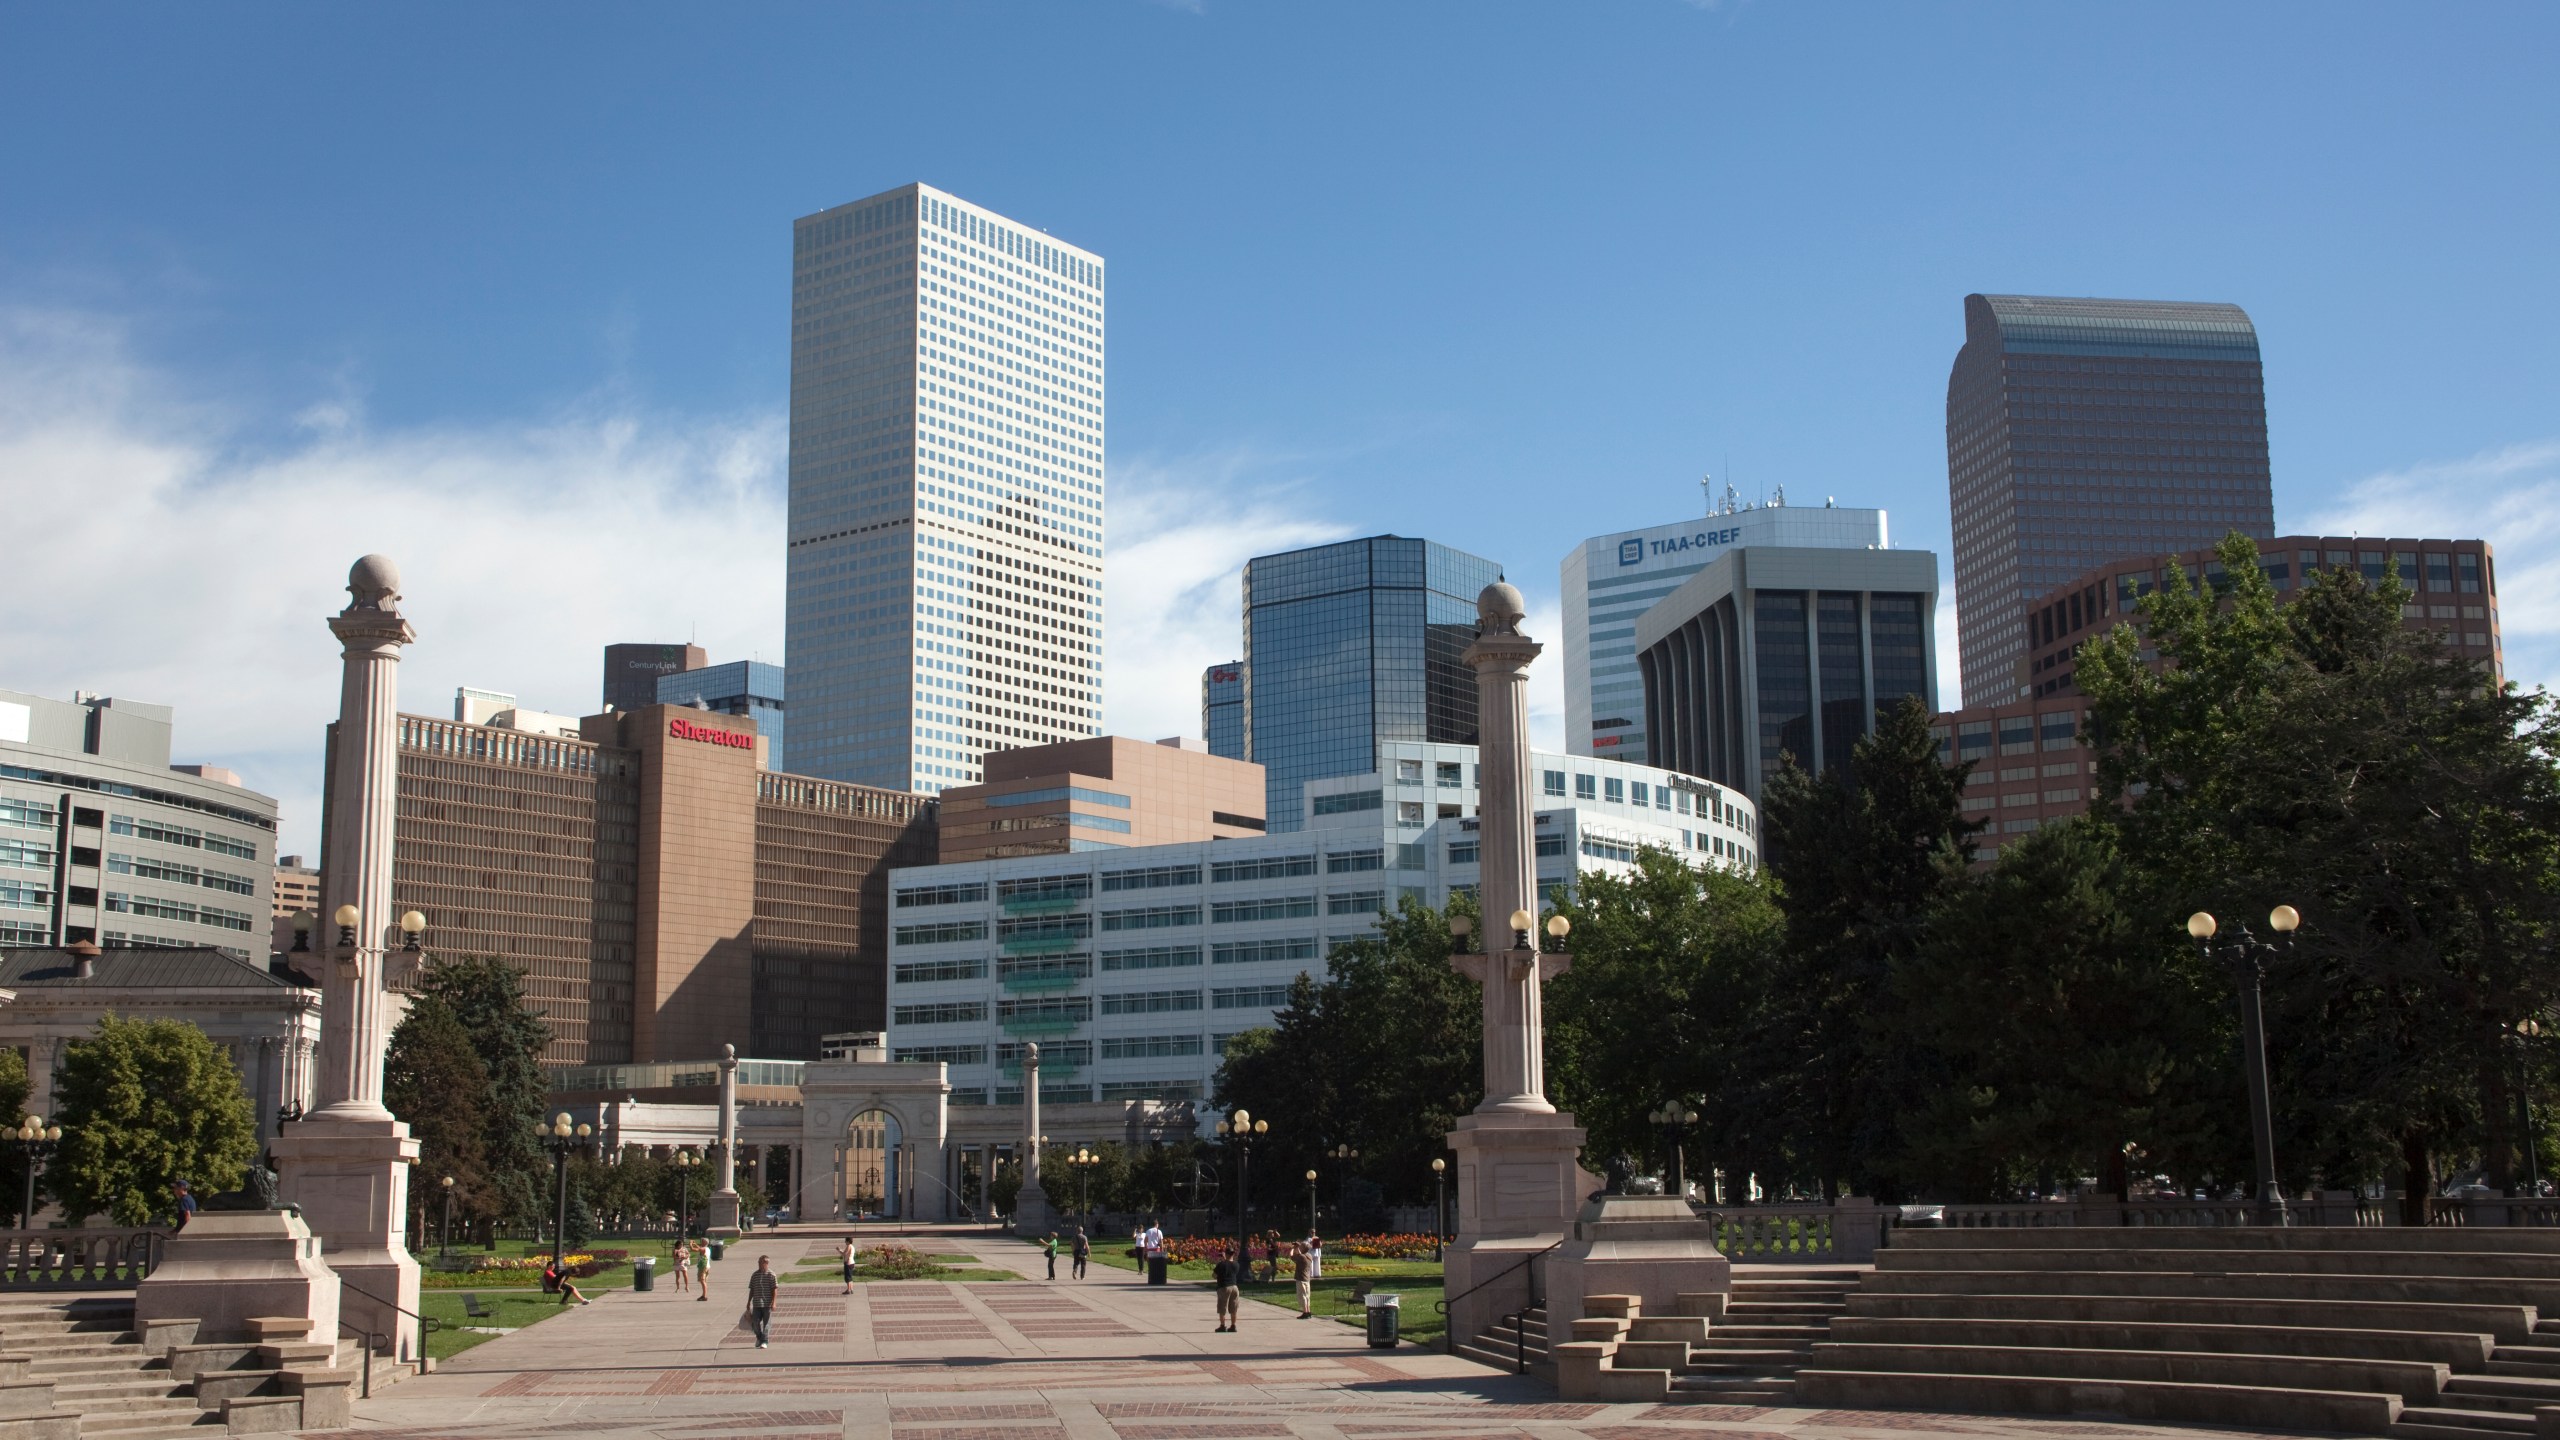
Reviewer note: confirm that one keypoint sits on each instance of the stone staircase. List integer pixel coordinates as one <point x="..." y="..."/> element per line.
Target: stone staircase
<point x="2432" y="1334"/>
<point x="1501" y="1345"/>
<point x="1772" y="1320"/>
<point x="85" y="1346"/>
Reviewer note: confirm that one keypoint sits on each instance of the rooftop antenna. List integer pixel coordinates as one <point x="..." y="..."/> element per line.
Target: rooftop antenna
<point x="1708" y="484"/>
<point x="1779" y="500"/>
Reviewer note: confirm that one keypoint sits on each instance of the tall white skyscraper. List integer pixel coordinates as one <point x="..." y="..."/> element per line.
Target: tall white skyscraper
<point x="945" y="577"/>
<point x="1609" y="580"/>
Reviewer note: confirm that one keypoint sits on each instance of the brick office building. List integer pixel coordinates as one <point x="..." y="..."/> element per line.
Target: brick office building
<point x="662" y="893"/>
<point x="2030" y="768"/>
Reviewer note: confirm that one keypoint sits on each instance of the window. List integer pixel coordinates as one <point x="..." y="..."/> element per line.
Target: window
<point x="1349" y="802"/>
<point x="1586" y="787"/>
<point x="1356" y="902"/>
<point x="1450" y="776"/>
<point x="29" y="814"/>
<point x="1046" y="887"/>
<point x="1284" y="907"/>
<point x="1249" y="952"/>
<point x="1463" y="852"/>
<point x="2469" y="565"/>
<point x="19" y="895"/>
<point x="1408" y="772"/>
<point x="158" y="909"/>
<point x="1550" y="845"/>
<point x="2017" y="732"/>
<point x="1148" y="1047"/>
<point x="2061" y="729"/>
<point x="943" y="934"/>
<point x="25" y="855"/>
<point x="1150" y="1002"/>
<point x="942" y="895"/>
<point x="1411" y="857"/>
<point x="1155" y="877"/>
<point x="944" y="1055"/>
<point x="1154" y="917"/>
<point x="1147" y="1090"/>
<point x="1072" y="1008"/>
<point x="951" y="1012"/>
<point x="1151" y="957"/>
<point x="1351" y="861"/>
<point x="2439" y="578"/>
<point x="1060" y="792"/>
<point x="1098" y="822"/>
<point x="1409" y="813"/>
<point x="1614" y="790"/>
<point x="1599" y="848"/>
<point x="1553" y="782"/>
<point x="1639" y="794"/>
<point x="1973" y="739"/>
<point x="1273" y="867"/>
<point x="1249" y="997"/>
<point x="926" y="971"/>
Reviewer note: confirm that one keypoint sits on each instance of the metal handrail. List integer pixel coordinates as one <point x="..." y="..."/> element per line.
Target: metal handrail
<point x="1519" y="1318"/>
<point x="1442" y="1305"/>
<point x="425" y="1324"/>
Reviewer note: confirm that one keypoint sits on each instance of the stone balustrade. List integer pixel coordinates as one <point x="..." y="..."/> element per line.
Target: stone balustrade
<point x="82" y="1259"/>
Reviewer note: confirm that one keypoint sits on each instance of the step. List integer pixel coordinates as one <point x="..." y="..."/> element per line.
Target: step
<point x="2275" y="1262"/>
<point x="1806" y="1333"/>
<point x="2515" y="1240"/>
<point x="1695" y="1389"/>
<point x="2508" y="1323"/>
<point x="2413" y="1381"/>
<point x="2270" y="1406"/>
<point x="2448" y="1419"/>
<point x="1752" y="1344"/>
<point x="2405" y="1289"/>
<point x="2504" y="1392"/>
<point x="2464" y="1353"/>
<point x="2502" y="1362"/>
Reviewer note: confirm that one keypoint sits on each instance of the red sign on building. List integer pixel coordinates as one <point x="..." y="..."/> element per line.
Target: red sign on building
<point x="684" y="729"/>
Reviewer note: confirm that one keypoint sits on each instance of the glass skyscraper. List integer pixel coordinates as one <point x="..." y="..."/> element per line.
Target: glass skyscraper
<point x="1222" y="709"/>
<point x="945" y="534"/>
<point x="1352" y="645"/>
<point x="2081" y="432"/>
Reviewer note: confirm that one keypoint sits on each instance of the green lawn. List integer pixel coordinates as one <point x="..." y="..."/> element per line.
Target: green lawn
<point x="1418" y="1281"/>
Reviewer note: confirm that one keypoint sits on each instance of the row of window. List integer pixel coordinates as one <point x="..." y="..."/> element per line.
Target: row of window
<point x="1617" y="790"/>
<point x="156" y="908"/>
<point x="147" y="828"/>
<point x="148" y="867"/>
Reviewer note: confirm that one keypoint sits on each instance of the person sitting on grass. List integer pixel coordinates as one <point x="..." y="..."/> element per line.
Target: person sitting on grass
<point x="556" y="1278"/>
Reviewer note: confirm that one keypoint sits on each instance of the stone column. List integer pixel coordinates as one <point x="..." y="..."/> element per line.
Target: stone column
<point x="720" y="1212"/>
<point x="1031" y="1205"/>
<point x="346" y="1164"/>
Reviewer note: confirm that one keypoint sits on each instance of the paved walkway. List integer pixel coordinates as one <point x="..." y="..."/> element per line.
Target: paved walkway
<point x="1106" y="1358"/>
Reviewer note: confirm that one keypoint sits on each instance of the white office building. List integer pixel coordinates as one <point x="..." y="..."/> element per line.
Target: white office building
<point x="1609" y="580"/>
<point x="945" y="532"/>
<point x="1133" y="968"/>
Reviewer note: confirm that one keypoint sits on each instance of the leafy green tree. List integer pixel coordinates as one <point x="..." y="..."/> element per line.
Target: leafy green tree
<point x="13" y="1104"/>
<point x="144" y="1104"/>
<point x="1860" y="856"/>
<point x="486" y="998"/>
<point x="2323" y="755"/>
<point x="433" y="1078"/>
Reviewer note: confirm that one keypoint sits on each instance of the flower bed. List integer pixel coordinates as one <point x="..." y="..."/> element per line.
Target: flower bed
<point x="898" y="1262"/>
<point x="1405" y="1246"/>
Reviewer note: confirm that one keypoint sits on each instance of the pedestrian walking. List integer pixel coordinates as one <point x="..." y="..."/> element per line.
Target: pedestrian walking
<point x="684" y="1267"/>
<point x="186" y="1208"/>
<point x="1049" y="1249"/>
<point x="1230" y="1294"/>
<point x="702" y="1271"/>
<point x="760" y="1288"/>
<point x="1298" y="1271"/>
<point x="1083" y="1252"/>
<point x="846" y="1254"/>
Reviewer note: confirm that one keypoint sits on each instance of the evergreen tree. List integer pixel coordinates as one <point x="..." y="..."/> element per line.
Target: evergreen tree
<point x="433" y="1078"/>
<point x="144" y="1104"/>
<point x="486" y="998"/>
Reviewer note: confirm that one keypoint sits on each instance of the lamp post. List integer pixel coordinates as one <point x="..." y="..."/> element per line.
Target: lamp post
<point x="1674" y="1119"/>
<point x="1242" y="1128"/>
<point x="1084" y="1160"/>
<point x="2528" y="1030"/>
<point x="1311" y="1202"/>
<point x="444" y="1238"/>
<point x="686" y="1162"/>
<point x="34" y="1140"/>
<point x="562" y="1137"/>
<point x="2246" y="955"/>
<point x="1439" y="1209"/>
<point x="1345" y="1157"/>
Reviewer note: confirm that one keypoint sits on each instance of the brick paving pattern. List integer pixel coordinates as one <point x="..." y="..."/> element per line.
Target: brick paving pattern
<point x="1106" y="1358"/>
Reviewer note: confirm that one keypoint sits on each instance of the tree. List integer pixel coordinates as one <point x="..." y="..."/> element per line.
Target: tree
<point x="13" y="1104"/>
<point x="486" y="998"/>
<point x="1861" y="856"/>
<point x="2322" y="754"/>
<point x="144" y="1104"/>
<point x="433" y="1078"/>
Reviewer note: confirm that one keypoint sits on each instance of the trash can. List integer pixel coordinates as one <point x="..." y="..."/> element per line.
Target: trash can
<point x="716" y="1248"/>
<point x="644" y="1274"/>
<point x="1155" y="1267"/>
<point x="1386" y="1320"/>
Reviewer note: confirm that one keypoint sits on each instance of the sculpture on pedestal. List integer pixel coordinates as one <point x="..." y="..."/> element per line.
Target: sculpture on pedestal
<point x="720" y="1213"/>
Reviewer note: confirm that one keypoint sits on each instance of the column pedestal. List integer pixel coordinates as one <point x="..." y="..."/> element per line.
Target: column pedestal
<point x="1032" y="1215"/>
<point x="350" y="1176"/>
<point x="1654" y="1247"/>
<point x="229" y="1267"/>
<point x="1520" y="1185"/>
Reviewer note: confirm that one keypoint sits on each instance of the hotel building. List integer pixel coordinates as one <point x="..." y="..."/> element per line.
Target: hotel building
<point x="1133" y="968"/>
<point x="1610" y="580"/>
<point x="946" y="485"/>
<point x="102" y="840"/>
<point x="750" y="689"/>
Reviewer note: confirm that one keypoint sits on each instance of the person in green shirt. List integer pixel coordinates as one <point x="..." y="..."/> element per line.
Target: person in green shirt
<point x="1049" y="1248"/>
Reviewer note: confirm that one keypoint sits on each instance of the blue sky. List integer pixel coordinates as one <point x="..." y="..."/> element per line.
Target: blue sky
<point x="503" y="290"/>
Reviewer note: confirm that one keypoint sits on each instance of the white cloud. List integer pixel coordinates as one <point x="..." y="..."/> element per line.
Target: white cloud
<point x="1173" y="590"/>
<point x="2509" y="497"/>
<point x="160" y="558"/>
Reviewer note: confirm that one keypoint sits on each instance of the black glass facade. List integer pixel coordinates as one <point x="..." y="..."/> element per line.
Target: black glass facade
<point x="2080" y="432"/>
<point x="1222" y="709"/>
<point x="1351" y="645"/>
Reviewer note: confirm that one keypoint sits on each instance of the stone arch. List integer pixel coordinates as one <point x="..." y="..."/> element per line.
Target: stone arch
<point x="874" y="1163"/>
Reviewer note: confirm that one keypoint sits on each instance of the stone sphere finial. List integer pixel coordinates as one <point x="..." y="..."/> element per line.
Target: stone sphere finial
<point x="375" y="582"/>
<point x="1499" y="610"/>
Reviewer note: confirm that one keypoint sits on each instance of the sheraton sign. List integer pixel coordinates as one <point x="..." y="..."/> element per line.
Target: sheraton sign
<point x="683" y="729"/>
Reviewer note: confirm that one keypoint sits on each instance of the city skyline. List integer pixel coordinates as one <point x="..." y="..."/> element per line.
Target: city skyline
<point x="558" y="390"/>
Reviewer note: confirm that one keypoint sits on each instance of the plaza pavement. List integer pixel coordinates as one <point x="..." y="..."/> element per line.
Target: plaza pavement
<point x="1106" y="1358"/>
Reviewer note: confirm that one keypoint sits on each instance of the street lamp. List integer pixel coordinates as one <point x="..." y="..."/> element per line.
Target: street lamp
<point x="444" y="1242"/>
<point x="1345" y="1156"/>
<point x="346" y="917"/>
<point x="1439" y="1207"/>
<point x="1242" y="1128"/>
<point x="412" y="925"/>
<point x="1674" y="1119"/>
<point x="2528" y="1030"/>
<point x="1084" y="1160"/>
<point x="561" y="1137"/>
<point x="2246" y="955"/>
<point x="34" y="1140"/>
<point x="686" y="1162"/>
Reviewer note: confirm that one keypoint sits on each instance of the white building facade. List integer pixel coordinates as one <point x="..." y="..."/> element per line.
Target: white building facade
<point x="1609" y="580"/>
<point x="946" y="485"/>
<point x="1133" y="968"/>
